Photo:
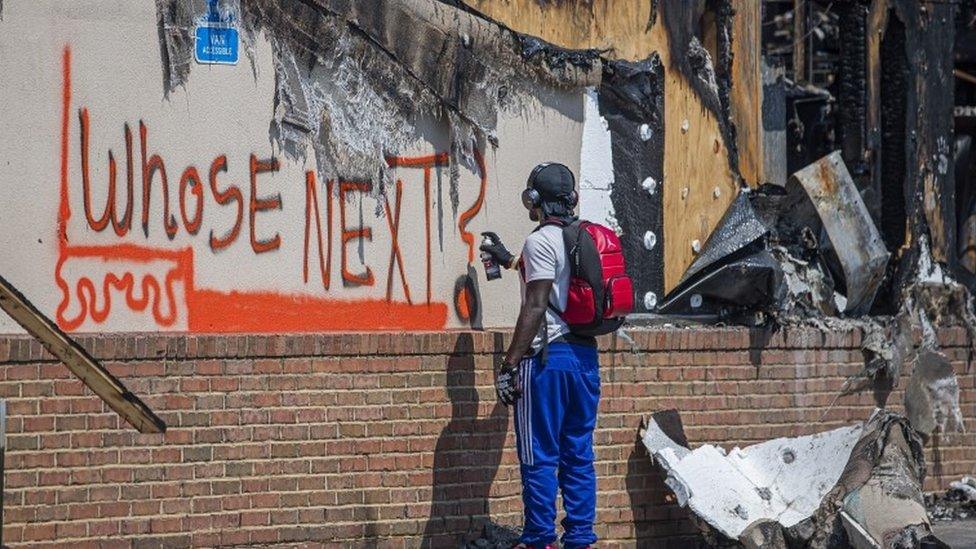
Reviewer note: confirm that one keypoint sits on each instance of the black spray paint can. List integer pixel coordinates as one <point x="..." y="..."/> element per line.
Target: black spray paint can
<point x="493" y="270"/>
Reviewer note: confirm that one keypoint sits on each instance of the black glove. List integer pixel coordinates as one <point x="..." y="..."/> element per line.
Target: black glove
<point x="497" y="250"/>
<point x="506" y="384"/>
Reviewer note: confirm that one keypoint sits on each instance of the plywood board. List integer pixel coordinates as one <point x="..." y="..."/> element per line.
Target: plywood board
<point x="747" y="89"/>
<point x="698" y="183"/>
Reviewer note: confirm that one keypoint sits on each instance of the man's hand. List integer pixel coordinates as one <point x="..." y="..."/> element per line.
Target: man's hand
<point x="497" y="250"/>
<point x="506" y="384"/>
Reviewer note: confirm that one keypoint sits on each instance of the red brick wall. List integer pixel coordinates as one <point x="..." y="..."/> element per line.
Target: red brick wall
<point x="347" y="439"/>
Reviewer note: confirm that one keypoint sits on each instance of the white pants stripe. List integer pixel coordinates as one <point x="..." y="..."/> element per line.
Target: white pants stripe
<point x="525" y="411"/>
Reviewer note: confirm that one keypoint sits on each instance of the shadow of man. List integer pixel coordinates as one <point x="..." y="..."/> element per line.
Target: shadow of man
<point x="650" y="503"/>
<point x="466" y="457"/>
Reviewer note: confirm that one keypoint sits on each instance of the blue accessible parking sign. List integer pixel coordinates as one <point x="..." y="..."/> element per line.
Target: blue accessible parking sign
<point x="217" y="38"/>
<point x="217" y="44"/>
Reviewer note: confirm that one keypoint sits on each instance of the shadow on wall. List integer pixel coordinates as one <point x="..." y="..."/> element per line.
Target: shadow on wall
<point x="466" y="458"/>
<point x="654" y="517"/>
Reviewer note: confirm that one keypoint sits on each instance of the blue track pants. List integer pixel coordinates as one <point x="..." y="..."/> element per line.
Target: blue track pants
<point x="554" y="423"/>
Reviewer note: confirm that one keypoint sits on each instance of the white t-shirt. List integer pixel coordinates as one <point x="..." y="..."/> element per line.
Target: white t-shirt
<point x="544" y="258"/>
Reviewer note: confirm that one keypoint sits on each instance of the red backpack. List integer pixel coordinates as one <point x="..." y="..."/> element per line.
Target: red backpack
<point x="601" y="295"/>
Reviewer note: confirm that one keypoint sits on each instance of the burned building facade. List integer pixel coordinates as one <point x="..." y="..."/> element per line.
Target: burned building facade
<point x="263" y="217"/>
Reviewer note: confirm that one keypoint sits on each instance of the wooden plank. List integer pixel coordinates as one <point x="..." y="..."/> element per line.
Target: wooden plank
<point x="78" y="361"/>
<point x="747" y="89"/>
<point x="800" y="10"/>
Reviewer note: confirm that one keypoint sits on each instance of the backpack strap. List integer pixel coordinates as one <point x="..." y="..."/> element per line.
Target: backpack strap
<point x="568" y="225"/>
<point x="544" y="328"/>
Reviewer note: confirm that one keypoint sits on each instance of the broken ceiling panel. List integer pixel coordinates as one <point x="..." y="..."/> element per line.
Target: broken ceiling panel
<point x="856" y="486"/>
<point x="782" y="479"/>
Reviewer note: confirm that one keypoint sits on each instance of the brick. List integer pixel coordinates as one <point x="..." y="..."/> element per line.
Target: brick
<point x="338" y="445"/>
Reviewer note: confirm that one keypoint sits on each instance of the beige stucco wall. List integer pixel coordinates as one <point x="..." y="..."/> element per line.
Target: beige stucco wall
<point x="116" y="74"/>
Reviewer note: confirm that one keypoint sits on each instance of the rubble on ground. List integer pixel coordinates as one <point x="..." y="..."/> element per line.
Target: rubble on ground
<point x="494" y="536"/>
<point x="956" y="503"/>
<point x="857" y="486"/>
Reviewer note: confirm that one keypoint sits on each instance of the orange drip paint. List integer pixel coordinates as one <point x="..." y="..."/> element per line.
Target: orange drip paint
<point x="191" y="174"/>
<point x="150" y="166"/>
<point x="64" y="211"/>
<point x="233" y="193"/>
<point x="438" y="159"/>
<point x="262" y="204"/>
<point x="365" y="279"/>
<point x="152" y="289"/>
<point x="427" y="226"/>
<point x="462" y="304"/>
<point x="121" y="227"/>
<point x="427" y="163"/>
<point x="468" y="215"/>
<point x="97" y="225"/>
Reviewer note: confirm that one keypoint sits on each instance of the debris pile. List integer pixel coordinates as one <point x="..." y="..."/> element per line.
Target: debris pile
<point x="494" y="536"/>
<point x="857" y="486"/>
<point x="806" y="251"/>
<point x="958" y="502"/>
<point x="810" y="253"/>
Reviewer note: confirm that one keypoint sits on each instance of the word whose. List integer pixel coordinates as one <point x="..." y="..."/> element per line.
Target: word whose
<point x="190" y="192"/>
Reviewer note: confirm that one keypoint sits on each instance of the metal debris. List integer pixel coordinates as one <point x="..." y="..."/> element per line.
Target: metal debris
<point x="846" y="220"/>
<point x="738" y="228"/>
<point x="752" y="282"/>
<point x="886" y="349"/>
<point x="734" y="272"/>
<point x="965" y="488"/>
<point x="809" y="291"/>
<point x="958" y="502"/>
<point x="888" y="510"/>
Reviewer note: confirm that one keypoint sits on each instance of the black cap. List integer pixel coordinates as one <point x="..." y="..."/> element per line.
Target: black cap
<point x="555" y="182"/>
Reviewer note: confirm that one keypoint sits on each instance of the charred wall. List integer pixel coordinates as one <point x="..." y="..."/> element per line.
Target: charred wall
<point x="895" y="79"/>
<point x="916" y="105"/>
<point x="852" y="83"/>
<point x="632" y="102"/>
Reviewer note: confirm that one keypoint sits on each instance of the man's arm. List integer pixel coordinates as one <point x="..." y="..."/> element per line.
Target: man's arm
<point x="530" y="317"/>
